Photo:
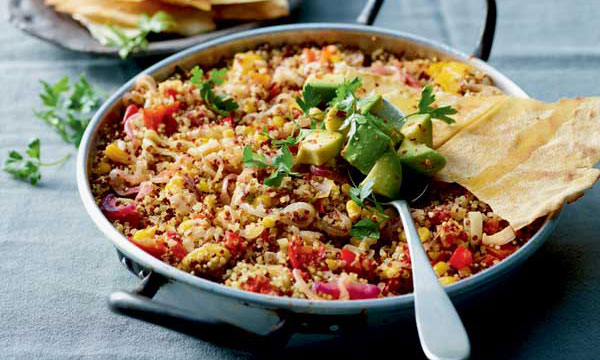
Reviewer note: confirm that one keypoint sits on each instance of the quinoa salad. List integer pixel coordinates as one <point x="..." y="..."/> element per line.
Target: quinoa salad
<point x="204" y="171"/>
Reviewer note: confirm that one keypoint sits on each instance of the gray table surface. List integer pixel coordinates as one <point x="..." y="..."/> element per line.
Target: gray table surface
<point x="56" y="268"/>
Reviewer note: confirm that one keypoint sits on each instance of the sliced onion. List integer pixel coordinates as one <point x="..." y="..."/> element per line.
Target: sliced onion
<point x="145" y="188"/>
<point x="125" y="212"/>
<point x="119" y="181"/>
<point x="331" y="288"/>
<point x="300" y="214"/>
<point x="129" y="130"/>
<point x="225" y="198"/>
<point x="258" y="211"/>
<point x="500" y="238"/>
<point x="341" y="283"/>
<point x="475" y="226"/>
<point x="303" y="286"/>
<point x="324" y="188"/>
<point x="358" y="291"/>
<point x="345" y="224"/>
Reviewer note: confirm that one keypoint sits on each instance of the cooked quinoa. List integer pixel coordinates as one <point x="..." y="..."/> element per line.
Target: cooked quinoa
<point x="169" y="175"/>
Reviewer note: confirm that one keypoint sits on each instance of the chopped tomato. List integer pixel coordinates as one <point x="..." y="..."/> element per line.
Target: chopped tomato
<point x="131" y="109"/>
<point x="171" y="93"/>
<point x="309" y="54"/>
<point x="152" y="246"/>
<point x="461" y="258"/>
<point x="358" y="264"/>
<point x="235" y="243"/>
<point x="179" y="252"/>
<point x="260" y="284"/>
<point x="162" y="114"/>
<point x="302" y="256"/>
<point x="227" y="121"/>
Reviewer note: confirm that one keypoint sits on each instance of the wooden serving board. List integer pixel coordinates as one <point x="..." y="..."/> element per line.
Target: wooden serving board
<point x="41" y="21"/>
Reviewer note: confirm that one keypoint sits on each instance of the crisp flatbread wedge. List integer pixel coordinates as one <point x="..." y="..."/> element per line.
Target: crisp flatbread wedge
<point x="255" y="10"/>
<point x="199" y="4"/>
<point x="526" y="157"/>
<point x="126" y="14"/>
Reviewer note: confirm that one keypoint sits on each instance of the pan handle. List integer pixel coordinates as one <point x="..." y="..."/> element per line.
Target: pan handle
<point x="138" y="304"/>
<point x="486" y="39"/>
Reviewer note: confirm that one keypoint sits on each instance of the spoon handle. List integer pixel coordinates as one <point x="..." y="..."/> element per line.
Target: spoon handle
<point x="441" y="332"/>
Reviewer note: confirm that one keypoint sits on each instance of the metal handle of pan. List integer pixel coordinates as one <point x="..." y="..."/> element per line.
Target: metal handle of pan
<point x="486" y="39"/>
<point x="139" y="304"/>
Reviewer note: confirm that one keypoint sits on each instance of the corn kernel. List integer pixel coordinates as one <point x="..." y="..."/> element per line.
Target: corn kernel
<point x="268" y="222"/>
<point x="250" y="107"/>
<point x="265" y="200"/>
<point x="441" y="268"/>
<point x="204" y="186"/>
<point x="229" y="133"/>
<point x="333" y="264"/>
<point x="353" y="210"/>
<point x="278" y="121"/>
<point x="260" y="138"/>
<point x="103" y="167"/>
<point x="210" y="201"/>
<point x="424" y="234"/>
<point x="146" y="233"/>
<point x="185" y="226"/>
<point x="175" y="184"/>
<point x="346" y="189"/>
<point x="447" y="280"/>
<point x="116" y="154"/>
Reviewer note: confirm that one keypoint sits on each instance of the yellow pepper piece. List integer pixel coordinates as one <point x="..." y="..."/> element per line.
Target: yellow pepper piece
<point x="441" y="268"/>
<point x="103" y="167"/>
<point x="260" y="138"/>
<point x="447" y="280"/>
<point x="175" y="184"/>
<point x="229" y="133"/>
<point x="204" y="186"/>
<point x="185" y="225"/>
<point x="268" y="222"/>
<point x="424" y="234"/>
<point x="146" y="233"/>
<point x="353" y="210"/>
<point x="448" y="74"/>
<point x="265" y="200"/>
<point x="278" y="121"/>
<point x="116" y="154"/>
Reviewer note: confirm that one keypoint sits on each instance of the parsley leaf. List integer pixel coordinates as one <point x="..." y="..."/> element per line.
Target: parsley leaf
<point x="344" y="94"/>
<point x="440" y="113"/>
<point x="68" y="111"/>
<point x="28" y="169"/>
<point x="360" y="193"/>
<point x="310" y="99"/>
<point x="129" y="44"/>
<point x="218" y="103"/>
<point x="365" y="229"/>
<point x="250" y="158"/>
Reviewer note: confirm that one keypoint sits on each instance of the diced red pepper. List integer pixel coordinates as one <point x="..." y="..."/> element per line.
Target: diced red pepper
<point x="309" y="54"/>
<point x="152" y="246"/>
<point x="235" y="243"/>
<point x="461" y="258"/>
<point x="274" y="91"/>
<point x="131" y="109"/>
<point x="491" y="226"/>
<point x="171" y="93"/>
<point x="362" y="265"/>
<point x="302" y="256"/>
<point x="162" y="114"/>
<point x="504" y="251"/>
<point x="227" y="121"/>
<point x="260" y="284"/>
<point x="179" y="252"/>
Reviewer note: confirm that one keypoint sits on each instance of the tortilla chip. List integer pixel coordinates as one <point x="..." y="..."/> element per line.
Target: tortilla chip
<point x="527" y="157"/>
<point x="199" y="4"/>
<point x="188" y="21"/>
<point x="258" y="10"/>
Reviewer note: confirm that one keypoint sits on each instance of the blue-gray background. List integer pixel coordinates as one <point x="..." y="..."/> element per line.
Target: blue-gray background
<point x="56" y="268"/>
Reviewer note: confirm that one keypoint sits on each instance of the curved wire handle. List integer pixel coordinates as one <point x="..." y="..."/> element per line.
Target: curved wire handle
<point x="486" y="39"/>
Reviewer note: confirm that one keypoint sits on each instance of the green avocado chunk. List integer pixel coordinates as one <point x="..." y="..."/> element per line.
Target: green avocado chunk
<point x="365" y="147"/>
<point x="420" y="157"/>
<point x="325" y="86"/>
<point x="319" y="146"/>
<point x="333" y="121"/>
<point x="419" y="129"/>
<point x="370" y="104"/>
<point x="386" y="175"/>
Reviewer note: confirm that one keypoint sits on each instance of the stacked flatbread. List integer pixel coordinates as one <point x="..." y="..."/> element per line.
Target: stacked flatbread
<point x="523" y="157"/>
<point x="191" y="16"/>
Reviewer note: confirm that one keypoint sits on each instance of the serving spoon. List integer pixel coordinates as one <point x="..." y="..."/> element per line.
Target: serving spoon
<point x="441" y="331"/>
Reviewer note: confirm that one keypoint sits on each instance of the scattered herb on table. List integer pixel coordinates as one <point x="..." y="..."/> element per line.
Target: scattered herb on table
<point x="221" y="104"/>
<point x="129" y="44"/>
<point x="27" y="167"/>
<point x="68" y="108"/>
<point x="281" y="164"/>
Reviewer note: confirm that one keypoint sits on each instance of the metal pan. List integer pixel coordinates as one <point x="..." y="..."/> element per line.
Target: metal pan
<point x="219" y="313"/>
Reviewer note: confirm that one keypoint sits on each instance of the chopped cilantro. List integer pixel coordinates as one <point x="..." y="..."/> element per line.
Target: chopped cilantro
<point x="218" y="103"/>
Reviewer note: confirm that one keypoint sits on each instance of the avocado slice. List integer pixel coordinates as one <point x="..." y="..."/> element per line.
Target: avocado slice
<point x="319" y="146"/>
<point x="370" y="104"/>
<point x="420" y="157"/>
<point x="419" y="129"/>
<point x="325" y="86"/>
<point x="386" y="175"/>
<point x="365" y="147"/>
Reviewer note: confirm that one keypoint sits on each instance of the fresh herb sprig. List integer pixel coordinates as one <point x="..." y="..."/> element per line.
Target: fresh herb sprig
<point x="440" y="113"/>
<point x="27" y="167"/>
<point x="218" y="103"/>
<point x="281" y="164"/>
<point x="128" y="44"/>
<point x="310" y="99"/>
<point x="367" y="228"/>
<point x="68" y="107"/>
